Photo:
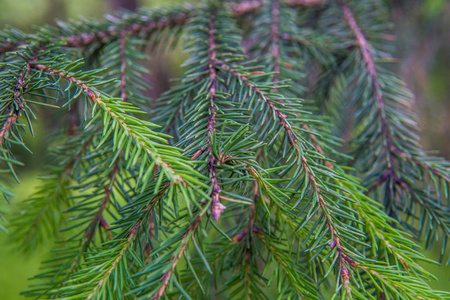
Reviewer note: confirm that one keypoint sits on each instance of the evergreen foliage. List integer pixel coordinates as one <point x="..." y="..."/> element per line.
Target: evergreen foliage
<point x="284" y="164"/>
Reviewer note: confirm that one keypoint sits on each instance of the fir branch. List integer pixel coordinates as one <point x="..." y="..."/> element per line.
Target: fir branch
<point x="84" y="39"/>
<point x="342" y="253"/>
<point x="293" y="215"/>
<point x="295" y="277"/>
<point x="96" y="99"/>
<point x="216" y="207"/>
<point x="381" y="108"/>
<point x="189" y="233"/>
<point x="97" y="275"/>
<point x="370" y="64"/>
<point x="397" y="149"/>
<point x="275" y="49"/>
<point x="44" y="208"/>
<point x="13" y="106"/>
<point x="123" y="66"/>
<point x="113" y="266"/>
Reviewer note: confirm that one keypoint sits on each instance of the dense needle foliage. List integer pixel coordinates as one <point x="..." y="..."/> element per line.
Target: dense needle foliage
<point x="284" y="164"/>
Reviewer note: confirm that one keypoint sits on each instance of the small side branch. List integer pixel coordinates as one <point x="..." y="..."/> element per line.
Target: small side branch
<point x="216" y="206"/>
<point x="176" y="258"/>
<point x="376" y="87"/>
<point x="7" y="125"/>
<point x="274" y="36"/>
<point x="18" y="105"/>
<point x="86" y="39"/>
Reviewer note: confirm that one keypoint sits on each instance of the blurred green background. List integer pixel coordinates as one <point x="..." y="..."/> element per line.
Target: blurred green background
<point x="423" y="45"/>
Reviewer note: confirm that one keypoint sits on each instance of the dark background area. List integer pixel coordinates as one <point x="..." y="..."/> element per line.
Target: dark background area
<point x="422" y="30"/>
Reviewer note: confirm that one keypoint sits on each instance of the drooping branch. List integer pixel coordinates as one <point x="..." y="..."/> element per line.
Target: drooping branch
<point x="86" y="39"/>
<point x="95" y="98"/>
<point x="105" y="274"/>
<point x="376" y="89"/>
<point x="392" y="150"/>
<point x="115" y="263"/>
<point x="97" y="220"/>
<point x="51" y="199"/>
<point x="284" y="122"/>
<point x="275" y="37"/>
<point x="115" y="32"/>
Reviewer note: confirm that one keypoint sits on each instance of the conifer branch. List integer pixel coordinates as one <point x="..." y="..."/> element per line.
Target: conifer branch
<point x="245" y="7"/>
<point x="93" y="280"/>
<point x="216" y="207"/>
<point x="336" y="242"/>
<point x="17" y="103"/>
<point x="121" y="256"/>
<point x="177" y="256"/>
<point x="391" y="131"/>
<point x="85" y="39"/>
<point x="392" y="150"/>
<point x="96" y="221"/>
<point x="376" y="88"/>
<point x="123" y="66"/>
<point x="44" y="208"/>
<point x="275" y="35"/>
<point x="294" y="216"/>
<point x="281" y="117"/>
<point x="95" y="98"/>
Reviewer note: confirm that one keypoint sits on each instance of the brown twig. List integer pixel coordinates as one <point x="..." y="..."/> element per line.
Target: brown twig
<point x="274" y="36"/>
<point x="216" y="206"/>
<point x="304" y="3"/>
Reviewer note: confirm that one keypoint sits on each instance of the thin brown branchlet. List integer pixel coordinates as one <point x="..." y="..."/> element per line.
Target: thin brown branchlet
<point x="216" y="206"/>
<point x="18" y="104"/>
